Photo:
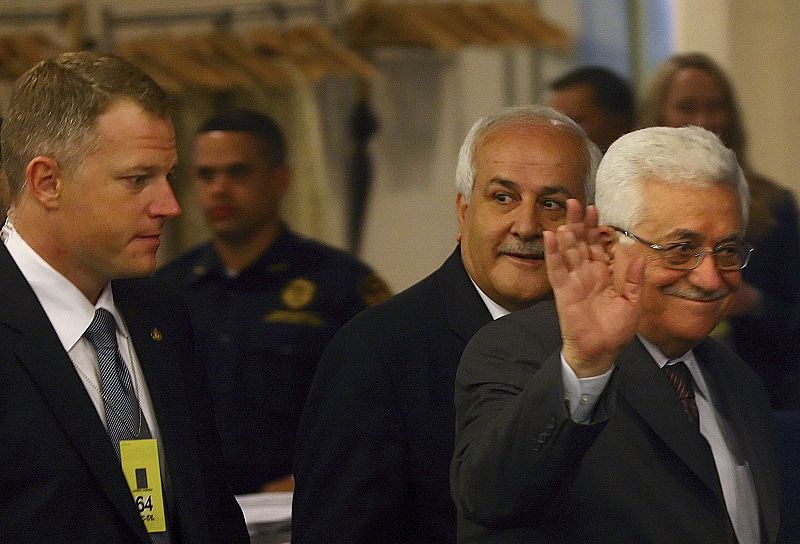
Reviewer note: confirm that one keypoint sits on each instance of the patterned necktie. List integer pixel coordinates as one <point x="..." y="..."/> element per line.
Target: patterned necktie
<point x="124" y="416"/>
<point x="681" y="379"/>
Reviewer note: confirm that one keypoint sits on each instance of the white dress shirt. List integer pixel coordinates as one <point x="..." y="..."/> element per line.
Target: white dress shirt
<point x="736" y="479"/>
<point x="494" y="308"/>
<point x="70" y="313"/>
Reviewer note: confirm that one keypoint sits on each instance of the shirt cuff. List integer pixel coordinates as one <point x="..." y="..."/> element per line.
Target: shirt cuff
<point x="582" y="394"/>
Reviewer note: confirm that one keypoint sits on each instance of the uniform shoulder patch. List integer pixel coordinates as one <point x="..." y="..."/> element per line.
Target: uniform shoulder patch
<point x="373" y="290"/>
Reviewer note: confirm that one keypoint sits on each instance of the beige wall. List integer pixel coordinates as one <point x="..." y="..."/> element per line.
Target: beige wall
<point x="758" y="43"/>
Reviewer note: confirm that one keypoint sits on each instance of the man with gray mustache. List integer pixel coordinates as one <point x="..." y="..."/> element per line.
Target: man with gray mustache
<point x="608" y="414"/>
<point x="376" y="435"/>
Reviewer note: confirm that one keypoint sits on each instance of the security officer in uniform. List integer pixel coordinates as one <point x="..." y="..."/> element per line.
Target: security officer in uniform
<point x="266" y="301"/>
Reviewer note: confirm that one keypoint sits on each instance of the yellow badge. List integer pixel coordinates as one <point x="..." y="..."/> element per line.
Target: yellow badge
<point x="298" y="293"/>
<point x="143" y="473"/>
<point x="373" y="290"/>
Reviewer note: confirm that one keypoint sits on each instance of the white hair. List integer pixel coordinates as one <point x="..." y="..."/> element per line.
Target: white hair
<point x="520" y="116"/>
<point x="683" y="157"/>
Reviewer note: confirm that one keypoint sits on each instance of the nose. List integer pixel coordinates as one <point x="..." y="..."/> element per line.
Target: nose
<point x="524" y="220"/>
<point x="706" y="275"/>
<point x="219" y="182"/>
<point x="701" y="118"/>
<point x="164" y="203"/>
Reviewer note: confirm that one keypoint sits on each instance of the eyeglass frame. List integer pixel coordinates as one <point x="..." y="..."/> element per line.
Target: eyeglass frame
<point x="747" y="250"/>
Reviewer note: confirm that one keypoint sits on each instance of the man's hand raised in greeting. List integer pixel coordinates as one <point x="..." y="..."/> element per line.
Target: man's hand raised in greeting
<point x="597" y="319"/>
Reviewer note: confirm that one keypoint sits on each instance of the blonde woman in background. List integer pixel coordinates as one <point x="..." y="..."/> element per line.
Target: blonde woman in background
<point x="691" y="89"/>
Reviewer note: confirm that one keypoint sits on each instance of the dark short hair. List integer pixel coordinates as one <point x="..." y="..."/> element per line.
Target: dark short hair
<point x="256" y="123"/>
<point x="612" y="92"/>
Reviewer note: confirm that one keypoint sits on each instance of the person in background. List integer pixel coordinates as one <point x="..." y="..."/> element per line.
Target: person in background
<point x="265" y="301"/>
<point x="105" y="419"/>
<point x="610" y="415"/>
<point x="598" y="99"/>
<point x="376" y="435"/>
<point x="764" y="322"/>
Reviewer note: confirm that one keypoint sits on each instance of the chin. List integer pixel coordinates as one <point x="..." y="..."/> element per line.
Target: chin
<point x="522" y="299"/>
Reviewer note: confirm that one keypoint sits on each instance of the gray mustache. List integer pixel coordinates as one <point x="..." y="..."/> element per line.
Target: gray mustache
<point x="533" y="248"/>
<point x="696" y="293"/>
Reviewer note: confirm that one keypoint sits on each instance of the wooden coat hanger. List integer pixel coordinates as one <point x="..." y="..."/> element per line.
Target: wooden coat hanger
<point x="166" y="79"/>
<point x="232" y="49"/>
<point x="449" y="26"/>
<point x="315" y="49"/>
<point x="170" y="56"/>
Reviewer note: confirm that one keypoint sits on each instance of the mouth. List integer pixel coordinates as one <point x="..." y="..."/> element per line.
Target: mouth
<point x="153" y="237"/>
<point x="535" y="256"/>
<point x="219" y="212"/>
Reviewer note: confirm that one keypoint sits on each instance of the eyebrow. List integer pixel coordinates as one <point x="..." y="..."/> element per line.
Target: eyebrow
<point x="546" y="190"/>
<point x="143" y="169"/>
<point x="686" y="233"/>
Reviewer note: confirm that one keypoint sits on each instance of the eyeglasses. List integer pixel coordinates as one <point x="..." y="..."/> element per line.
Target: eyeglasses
<point x="732" y="255"/>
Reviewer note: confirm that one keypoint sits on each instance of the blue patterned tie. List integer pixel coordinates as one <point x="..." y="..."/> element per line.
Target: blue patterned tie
<point x="123" y="413"/>
<point x="124" y="416"/>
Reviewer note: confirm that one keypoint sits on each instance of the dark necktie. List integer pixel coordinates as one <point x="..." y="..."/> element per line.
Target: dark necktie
<point x="681" y="379"/>
<point x="124" y="416"/>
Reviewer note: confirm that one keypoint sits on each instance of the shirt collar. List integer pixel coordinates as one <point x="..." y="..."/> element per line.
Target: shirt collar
<point x="494" y="308"/>
<point x="68" y="310"/>
<point x="689" y="360"/>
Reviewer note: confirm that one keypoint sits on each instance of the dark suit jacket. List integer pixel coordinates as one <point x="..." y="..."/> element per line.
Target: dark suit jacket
<point x="376" y="435"/>
<point x="60" y="478"/>
<point x="524" y="472"/>
<point x="770" y="343"/>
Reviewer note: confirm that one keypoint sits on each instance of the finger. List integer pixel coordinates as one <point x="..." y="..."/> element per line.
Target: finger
<point x="598" y="253"/>
<point x="574" y="221"/>
<point x="634" y="277"/>
<point x="572" y="250"/>
<point x="574" y="211"/>
<point x="554" y="265"/>
<point x="591" y="217"/>
<point x="590" y="224"/>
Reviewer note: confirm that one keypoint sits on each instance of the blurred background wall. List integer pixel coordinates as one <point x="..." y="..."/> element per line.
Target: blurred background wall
<point x="424" y="98"/>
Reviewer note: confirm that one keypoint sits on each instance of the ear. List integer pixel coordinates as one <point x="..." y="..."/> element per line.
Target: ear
<point x="281" y="179"/>
<point x="45" y="181"/>
<point x="461" y="211"/>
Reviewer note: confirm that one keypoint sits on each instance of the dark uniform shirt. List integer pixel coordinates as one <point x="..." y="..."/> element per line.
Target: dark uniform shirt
<point x="261" y="334"/>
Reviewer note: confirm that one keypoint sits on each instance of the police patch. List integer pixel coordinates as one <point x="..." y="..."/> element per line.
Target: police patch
<point x="298" y="293"/>
<point x="373" y="290"/>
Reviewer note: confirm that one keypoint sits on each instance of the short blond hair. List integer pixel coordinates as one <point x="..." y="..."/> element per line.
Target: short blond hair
<point x="54" y="108"/>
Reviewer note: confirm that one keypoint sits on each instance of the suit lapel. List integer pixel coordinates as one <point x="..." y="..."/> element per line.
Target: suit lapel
<point x="466" y="312"/>
<point x="40" y="352"/>
<point x="651" y="395"/>
<point x="153" y="341"/>
<point x="161" y="341"/>
<point x="751" y="434"/>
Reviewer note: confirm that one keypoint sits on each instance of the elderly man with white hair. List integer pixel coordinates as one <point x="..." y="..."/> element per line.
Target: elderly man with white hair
<point x="609" y="415"/>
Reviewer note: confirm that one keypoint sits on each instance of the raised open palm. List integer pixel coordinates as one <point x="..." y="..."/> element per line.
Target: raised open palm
<point x="597" y="318"/>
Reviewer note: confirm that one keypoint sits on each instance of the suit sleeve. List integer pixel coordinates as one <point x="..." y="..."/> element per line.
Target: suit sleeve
<point x="517" y="450"/>
<point x="224" y="516"/>
<point x="350" y="483"/>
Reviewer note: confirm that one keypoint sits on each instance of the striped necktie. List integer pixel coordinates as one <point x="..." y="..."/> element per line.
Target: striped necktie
<point x="124" y="417"/>
<point x="681" y="379"/>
